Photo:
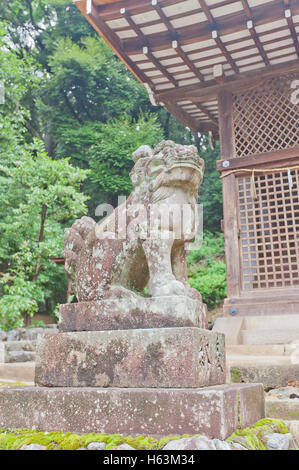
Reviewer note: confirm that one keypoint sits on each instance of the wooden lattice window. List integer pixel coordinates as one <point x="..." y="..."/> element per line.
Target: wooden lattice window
<point x="265" y="118"/>
<point x="269" y="229"/>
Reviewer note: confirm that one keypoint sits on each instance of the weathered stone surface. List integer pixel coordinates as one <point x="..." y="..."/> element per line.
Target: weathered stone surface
<point x="3" y="335"/>
<point x="271" y="375"/>
<point x="236" y="446"/>
<point x="17" y="351"/>
<point x="32" y="447"/>
<point x="144" y="241"/>
<point x="19" y="356"/>
<point x="294" y="430"/>
<point x="124" y="447"/>
<point x="212" y="411"/>
<point x="284" y="393"/>
<point x="276" y="441"/>
<point x="191" y="443"/>
<point x="28" y="334"/>
<point x="221" y="445"/>
<point x="132" y="311"/>
<point x="161" y="357"/>
<point x="231" y="327"/>
<point x="96" y="446"/>
<point x="282" y="408"/>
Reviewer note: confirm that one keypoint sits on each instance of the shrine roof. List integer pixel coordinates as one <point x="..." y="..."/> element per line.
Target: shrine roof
<point x="185" y="51"/>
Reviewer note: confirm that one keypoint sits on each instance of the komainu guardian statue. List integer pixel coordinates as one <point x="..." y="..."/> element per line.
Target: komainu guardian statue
<point x="144" y="241"/>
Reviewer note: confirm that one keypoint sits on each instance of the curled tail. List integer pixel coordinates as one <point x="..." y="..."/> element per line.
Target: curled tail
<point x="74" y="240"/>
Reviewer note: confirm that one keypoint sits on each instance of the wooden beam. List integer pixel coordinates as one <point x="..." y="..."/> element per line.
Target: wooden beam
<point x="215" y="35"/>
<point x="226" y="54"/>
<point x="207" y="113"/>
<point x="278" y="158"/>
<point x="235" y="83"/>
<point x="226" y="126"/>
<point x="177" y="48"/>
<point x="160" y="67"/>
<point x="146" y="51"/>
<point x="288" y="14"/>
<point x="230" y="210"/>
<point x="134" y="7"/>
<point x="253" y="32"/>
<point x="207" y="12"/>
<point x="189" y="121"/>
<point x="188" y="62"/>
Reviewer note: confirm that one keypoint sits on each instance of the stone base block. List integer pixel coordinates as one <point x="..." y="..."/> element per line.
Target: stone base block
<point x="161" y="357"/>
<point x="271" y="375"/>
<point x="215" y="412"/>
<point x="133" y="312"/>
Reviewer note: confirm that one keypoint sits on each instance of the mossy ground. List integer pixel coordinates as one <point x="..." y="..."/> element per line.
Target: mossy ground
<point x="11" y="384"/>
<point x="253" y="438"/>
<point x="13" y="439"/>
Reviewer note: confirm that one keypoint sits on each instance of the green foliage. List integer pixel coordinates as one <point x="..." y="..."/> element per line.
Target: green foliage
<point x="65" y="87"/>
<point x="110" y="157"/>
<point x="37" y="196"/>
<point x="210" y="192"/>
<point x="206" y="269"/>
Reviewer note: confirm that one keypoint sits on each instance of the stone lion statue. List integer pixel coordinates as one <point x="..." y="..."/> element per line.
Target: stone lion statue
<point x="143" y="241"/>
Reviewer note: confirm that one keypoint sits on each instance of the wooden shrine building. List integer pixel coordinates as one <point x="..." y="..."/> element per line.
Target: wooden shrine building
<point x="230" y="67"/>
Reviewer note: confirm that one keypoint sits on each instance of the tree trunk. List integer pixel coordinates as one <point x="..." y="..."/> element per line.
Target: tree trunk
<point x="41" y="237"/>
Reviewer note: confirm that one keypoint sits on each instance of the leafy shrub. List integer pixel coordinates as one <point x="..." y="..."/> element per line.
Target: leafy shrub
<point x="206" y="269"/>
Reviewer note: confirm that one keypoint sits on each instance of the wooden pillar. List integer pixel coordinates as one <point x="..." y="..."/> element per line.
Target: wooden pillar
<point x="229" y="187"/>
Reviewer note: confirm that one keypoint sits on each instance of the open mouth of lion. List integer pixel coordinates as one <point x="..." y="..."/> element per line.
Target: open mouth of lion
<point x="186" y="164"/>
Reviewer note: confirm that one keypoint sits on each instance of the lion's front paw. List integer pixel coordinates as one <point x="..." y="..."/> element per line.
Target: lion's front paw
<point x="171" y="288"/>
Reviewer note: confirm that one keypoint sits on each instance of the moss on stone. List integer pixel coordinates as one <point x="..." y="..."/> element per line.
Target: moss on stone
<point x="4" y="384"/>
<point x="235" y="375"/>
<point x="14" y="439"/>
<point x="253" y="438"/>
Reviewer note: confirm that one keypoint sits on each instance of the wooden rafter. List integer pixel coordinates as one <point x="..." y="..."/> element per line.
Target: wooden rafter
<point x="188" y="120"/>
<point x="204" y="110"/>
<point x="216" y="36"/>
<point x="177" y="47"/>
<point x="253" y="32"/>
<point x="146" y="50"/>
<point x="292" y="26"/>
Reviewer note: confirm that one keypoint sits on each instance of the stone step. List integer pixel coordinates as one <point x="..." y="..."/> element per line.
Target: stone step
<point x="271" y="322"/>
<point x="271" y="373"/>
<point x="17" y="351"/>
<point x="17" y="372"/>
<point x="270" y="336"/>
<point x="242" y="359"/>
<point x="31" y="334"/>
<point x="258" y="350"/>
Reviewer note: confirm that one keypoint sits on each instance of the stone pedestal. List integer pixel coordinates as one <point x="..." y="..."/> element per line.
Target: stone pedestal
<point x="215" y="412"/>
<point x="158" y="357"/>
<point x="132" y="312"/>
<point x="151" y="370"/>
